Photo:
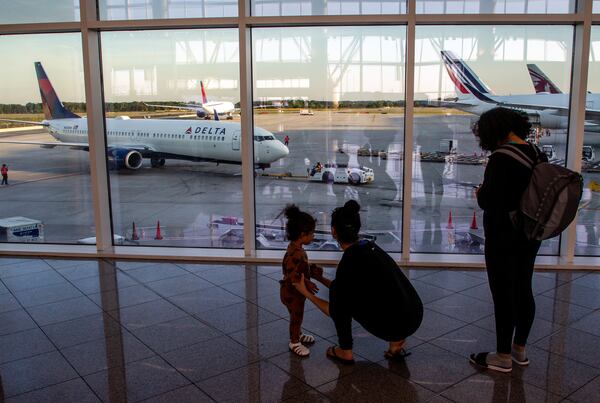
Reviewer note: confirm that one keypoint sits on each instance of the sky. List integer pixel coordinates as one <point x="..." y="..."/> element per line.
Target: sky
<point x="320" y="63"/>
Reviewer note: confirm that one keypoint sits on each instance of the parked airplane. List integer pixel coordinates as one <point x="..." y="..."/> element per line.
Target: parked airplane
<point x="129" y="141"/>
<point x="550" y="111"/>
<point x="207" y="109"/>
<point x="541" y="82"/>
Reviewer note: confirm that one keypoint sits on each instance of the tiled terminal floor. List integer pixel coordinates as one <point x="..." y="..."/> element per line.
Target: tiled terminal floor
<point x="83" y="331"/>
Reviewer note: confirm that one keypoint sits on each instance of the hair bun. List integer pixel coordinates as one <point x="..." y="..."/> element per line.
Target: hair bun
<point x="291" y="210"/>
<point x="352" y="206"/>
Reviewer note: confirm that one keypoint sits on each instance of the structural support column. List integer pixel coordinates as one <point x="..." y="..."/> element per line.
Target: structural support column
<point x="581" y="53"/>
<point x="409" y="69"/>
<point x="92" y="71"/>
<point x="245" y="49"/>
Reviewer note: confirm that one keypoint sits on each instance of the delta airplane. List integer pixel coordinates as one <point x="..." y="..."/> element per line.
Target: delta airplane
<point x="129" y="141"/>
<point x="550" y="111"/>
<point x="206" y="109"/>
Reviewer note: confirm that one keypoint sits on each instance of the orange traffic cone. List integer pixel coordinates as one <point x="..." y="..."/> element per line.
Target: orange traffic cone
<point x="474" y="222"/>
<point x="158" y="235"/>
<point x="450" y="226"/>
<point x="134" y="235"/>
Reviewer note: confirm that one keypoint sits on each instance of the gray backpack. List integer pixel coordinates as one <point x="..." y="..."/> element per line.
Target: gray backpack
<point x="551" y="198"/>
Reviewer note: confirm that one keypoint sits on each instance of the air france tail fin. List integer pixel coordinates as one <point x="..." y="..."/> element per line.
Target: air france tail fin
<point x="541" y="82"/>
<point x="203" y="93"/>
<point x="53" y="108"/>
<point x="465" y="79"/>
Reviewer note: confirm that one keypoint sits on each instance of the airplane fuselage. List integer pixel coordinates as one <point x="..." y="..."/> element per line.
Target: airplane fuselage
<point x="179" y="139"/>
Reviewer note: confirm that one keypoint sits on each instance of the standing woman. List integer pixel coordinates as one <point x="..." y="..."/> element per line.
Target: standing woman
<point x="509" y="256"/>
<point x="369" y="287"/>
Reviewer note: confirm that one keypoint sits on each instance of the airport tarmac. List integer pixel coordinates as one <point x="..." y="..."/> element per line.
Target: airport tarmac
<point x="53" y="185"/>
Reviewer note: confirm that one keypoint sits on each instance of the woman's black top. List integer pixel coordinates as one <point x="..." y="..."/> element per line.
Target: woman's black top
<point x="504" y="182"/>
<point x="370" y="288"/>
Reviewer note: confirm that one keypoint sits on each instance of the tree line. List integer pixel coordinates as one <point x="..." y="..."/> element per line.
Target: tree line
<point x="79" y="107"/>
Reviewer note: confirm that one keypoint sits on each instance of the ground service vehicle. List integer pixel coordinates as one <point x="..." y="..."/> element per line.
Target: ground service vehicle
<point x="340" y="173"/>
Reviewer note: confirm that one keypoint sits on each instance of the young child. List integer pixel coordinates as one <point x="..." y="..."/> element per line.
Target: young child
<point x="300" y="230"/>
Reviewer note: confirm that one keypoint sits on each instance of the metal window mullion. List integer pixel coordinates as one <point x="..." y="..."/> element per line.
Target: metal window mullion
<point x="409" y="96"/>
<point x="245" y="64"/>
<point x="92" y="72"/>
<point x="579" y="78"/>
<point x="33" y="28"/>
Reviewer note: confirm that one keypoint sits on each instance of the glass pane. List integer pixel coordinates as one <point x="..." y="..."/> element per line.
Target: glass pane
<point x="596" y="6"/>
<point x="170" y="160"/>
<point x="327" y="7"/>
<point x="588" y="221"/>
<point x="460" y="72"/>
<point x="495" y="6"/>
<point x="26" y="11"/>
<point x="156" y="9"/>
<point x="48" y="197"/>
<point x="336" y="96"/>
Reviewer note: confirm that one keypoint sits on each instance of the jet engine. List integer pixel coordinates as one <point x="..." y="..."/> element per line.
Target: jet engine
<point x="120" y="158"/>
<point x="551" y="121"/>
<point x="201" y="114"/>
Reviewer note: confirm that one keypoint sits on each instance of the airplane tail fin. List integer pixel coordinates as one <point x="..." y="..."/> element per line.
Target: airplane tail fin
<point x="465" y="79"/>
<point x="541" y="82"/>
<point x="203" y="93"/>
<point x="216" y="115"/>
<point x="53" y="108"/>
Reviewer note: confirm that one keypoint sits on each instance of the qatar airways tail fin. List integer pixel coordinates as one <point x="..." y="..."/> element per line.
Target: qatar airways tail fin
<point x="53" y="108"/>
<point x="204" y="100"/>
<point x="541" y="82"/>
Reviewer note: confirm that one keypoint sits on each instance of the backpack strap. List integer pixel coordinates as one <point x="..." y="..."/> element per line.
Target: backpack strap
<point x="518" y="155"/>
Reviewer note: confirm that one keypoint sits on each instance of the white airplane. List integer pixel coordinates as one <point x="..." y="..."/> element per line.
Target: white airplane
<point x="129" y="141"/>
<point x="550" y="111"/>
<point x="206" y="109"/>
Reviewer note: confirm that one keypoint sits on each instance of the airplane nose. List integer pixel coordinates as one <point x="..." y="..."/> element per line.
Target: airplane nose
<point x="282" y="150"/>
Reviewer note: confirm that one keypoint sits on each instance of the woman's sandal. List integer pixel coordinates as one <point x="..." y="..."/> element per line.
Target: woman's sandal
<point x="331" y="354"/>
<point x="307" y="339"/>
<point x="299" y="349"/>
<point x="396" y="355"/>
<point x="480" y="360"/>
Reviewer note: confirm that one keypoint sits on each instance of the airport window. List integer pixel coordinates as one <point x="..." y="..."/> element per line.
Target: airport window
<point x="596" y="6"/>
<point x="152" y="9"/>
<point x="588" y="219"/>
<point x="351" y="113"/>
<point x="137" y="198"/>
<point x="29" y="214"/>
<point x="33" y="11"/>
<point x="495" y="6"/>
<point x="327" y="7"/>
<point x="456" y="69"/>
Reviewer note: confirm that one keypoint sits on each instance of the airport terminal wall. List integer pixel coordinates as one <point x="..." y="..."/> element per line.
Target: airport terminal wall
<point x="325" y="116"/>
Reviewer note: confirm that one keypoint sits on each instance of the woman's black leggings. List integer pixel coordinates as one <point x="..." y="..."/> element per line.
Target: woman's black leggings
<point x="509" y="264"/>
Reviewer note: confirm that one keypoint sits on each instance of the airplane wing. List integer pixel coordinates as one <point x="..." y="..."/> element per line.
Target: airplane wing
<point x="49" y="144"/>
<point x="26" y="122"/>
<point x="450" y="104"/>
<point x="184" y="107"/>
<point x="590" y="114"/>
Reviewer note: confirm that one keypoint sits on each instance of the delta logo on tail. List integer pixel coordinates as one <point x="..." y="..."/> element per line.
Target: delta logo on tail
<point x="204" y="100"/>
<point x="541" y="82"/>
<point x="51" y="105"/>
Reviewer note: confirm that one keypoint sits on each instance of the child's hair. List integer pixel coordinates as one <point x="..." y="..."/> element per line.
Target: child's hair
<point x="346" y="221"/>
<point x="298" y="222"/>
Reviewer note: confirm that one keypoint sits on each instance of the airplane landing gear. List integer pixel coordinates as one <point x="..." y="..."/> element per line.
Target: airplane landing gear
<point x="157" y="162"/>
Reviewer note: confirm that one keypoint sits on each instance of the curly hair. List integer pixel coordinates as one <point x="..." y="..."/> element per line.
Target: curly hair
<point x="298" y="222"/>
<point x="346" y="221"/>
<point x="496" y="124"/>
